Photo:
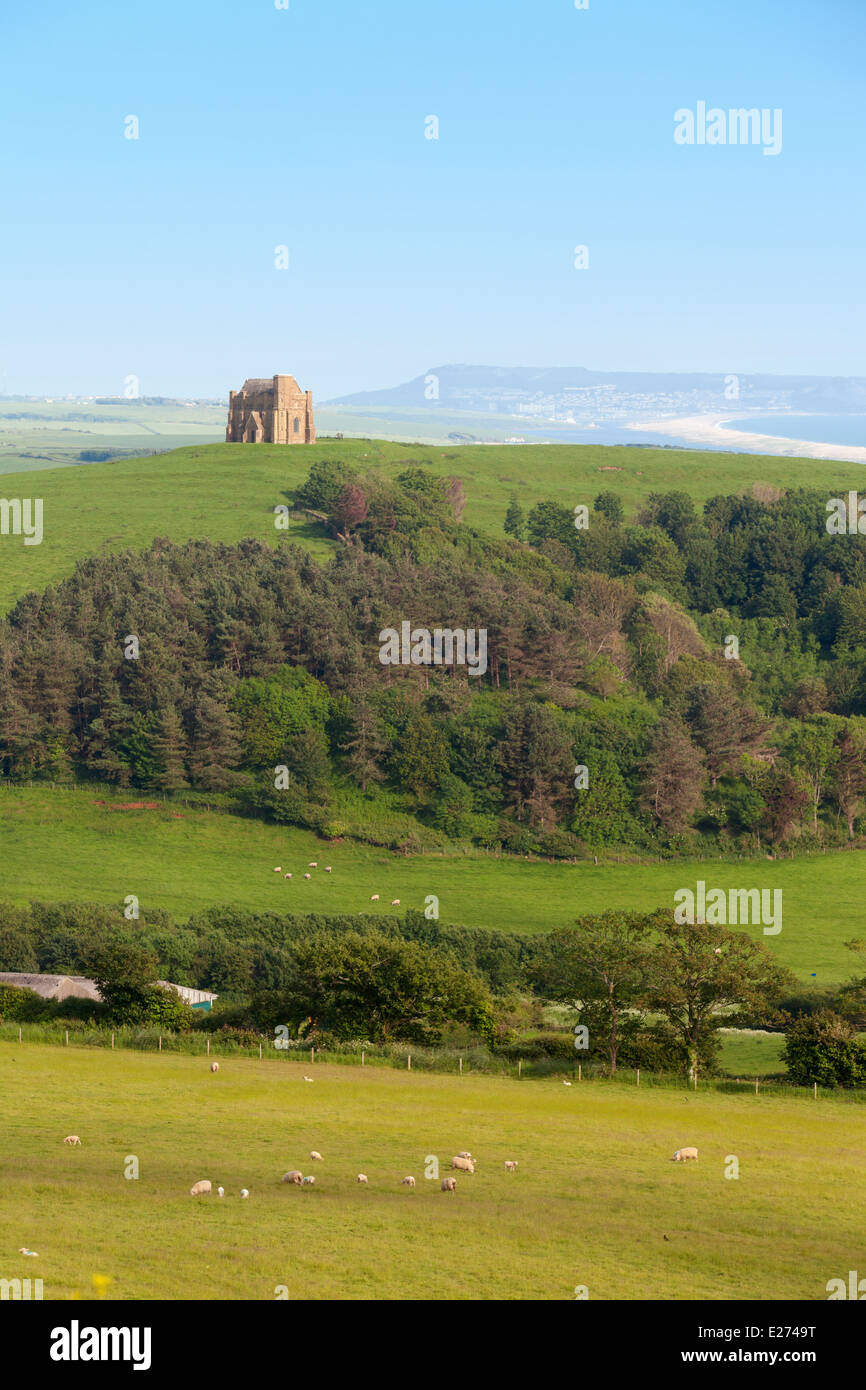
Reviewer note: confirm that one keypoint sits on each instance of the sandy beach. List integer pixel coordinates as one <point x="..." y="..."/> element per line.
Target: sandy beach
<point x="709" y="430"/>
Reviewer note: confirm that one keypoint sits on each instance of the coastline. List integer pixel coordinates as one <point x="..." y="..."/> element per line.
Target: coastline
<point x="709" y="430"/>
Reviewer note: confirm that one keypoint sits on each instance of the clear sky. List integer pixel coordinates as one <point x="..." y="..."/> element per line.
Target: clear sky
<point x="305" y="127"/>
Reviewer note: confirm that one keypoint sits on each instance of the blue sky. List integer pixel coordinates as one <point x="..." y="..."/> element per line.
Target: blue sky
<point x="305" y="127"/>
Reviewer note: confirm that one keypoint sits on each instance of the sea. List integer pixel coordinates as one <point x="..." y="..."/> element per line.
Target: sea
<point x="820" y="429"/>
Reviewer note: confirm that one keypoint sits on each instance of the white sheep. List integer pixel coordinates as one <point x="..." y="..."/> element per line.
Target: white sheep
<point x="464" y="1153"/>
<point x="308" y="875"/>
<point x="510" y="1165"/>
<point x="682" y="1154"/>
<point x="308" y="1078"/>
<point x="313" y="864"/>
<point x="395" y="902"/>
<point x="328" y="869"/>
<point x="294" y="1176"/>
<point x="244" y="1192"/>
<point x="375" y="898"/>
<point x="201" y="1189"/>
<point x="221" y="1192"/>
<point x="407" y="1182"/>
<point x="448" y="1185"/>
<point x="362" y="1177"/>
<point x="214" y="1066"/>
<point x="287" y="875"/>
<point x="464" y="1164"/>
<point x="316" y="1156"/>
<point x="278" y="869"/>
<point x="72" y="1139"/>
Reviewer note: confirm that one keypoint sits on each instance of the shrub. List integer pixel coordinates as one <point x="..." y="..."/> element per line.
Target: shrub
<point x="822" y="1048"/>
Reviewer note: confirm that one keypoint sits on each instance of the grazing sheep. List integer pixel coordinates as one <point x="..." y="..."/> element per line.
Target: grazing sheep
<point x="313" y="864"/>
<point x="22" y="1250"/>
<point x="308" y="875"/>
<point x="328" y="869"/>
<point x="362" y="1177"/>
<point x="375" y="898"/>
<point x="314" y="1154"/>
<point x="464" y="1153"/>
<point x="72" y="1139"/>
<point x="682" y="1154"/>
<point x="566" y="1083"/>
<point x="245" y="1192"/>
<point x="287" y="875"/>
<point x="278" y="869"/>
<point x="201" y="1189"/>
<point x="510" y="1165"/>
<point x="308" y="1078"/>
<point x="395" y="902"/>
<point x="295" y="1176"/>
<point x="448" y="1185"/>
<point x="407" y="1182"/>
<point x="214" y="1066"/>
<point x="464" y="1164"/>
<point x="308" y="1182"/>
<point x="221" y="1192"/>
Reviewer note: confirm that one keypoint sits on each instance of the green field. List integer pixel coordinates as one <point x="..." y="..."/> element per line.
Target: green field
<point x="590" y="1204"/>
<point x="226" y="492"/>
<point x="60" y="845"/>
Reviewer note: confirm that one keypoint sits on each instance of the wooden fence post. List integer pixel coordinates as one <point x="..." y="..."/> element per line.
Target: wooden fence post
<point x="260" y="1052"/>
<point x="312" y="1054"/>
<point x="208" y="1047"/>
<point x="112" y="1040"/>
<point x="19" y="1032"/>
<point x="814" y="1088"/>
<point x="519" y="1067"/>
<point x="160" y="1042"/>
<point x="362" y="1056"/>
<point x="638" y="1076"/>
<point x="579" y="1072"/>
<point x="67" y="1038"/>
<point x="409" y="1062"/>
<point x="756" y="1085"/>
<point x="461" y="1066"/>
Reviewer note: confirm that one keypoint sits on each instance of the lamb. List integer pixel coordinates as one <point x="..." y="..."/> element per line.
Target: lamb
<point x="314" y="1154"/>
<point x="375" y="898"/>
<point x="362" y="1177"/>
<point x="294" y="1175"/>
<point x="72" y="1139"/>
<point x="278" y="869"/>
<point x="395" y="902"/>
<point x="308" y="875"/>
<point x="327" y="868"/>
<point x="201" y="1189"/>
<point x="214" y="1066"/>
<point x="313" y="864"/>
<point x="448" y="1185"/>
<point x="682" y="1154"/>
<point x="464" y="1153"/>
<point x="221" y="1192"/>
<point x="464" y="1164"/>
<point x="244" y="1192"/>
<point x="287" y="875"/>
<point x="510" y="1165"/>
<point x="407" y="1182"/>
<point x="308" y="1182"/>
<point x="308" y="1078"/>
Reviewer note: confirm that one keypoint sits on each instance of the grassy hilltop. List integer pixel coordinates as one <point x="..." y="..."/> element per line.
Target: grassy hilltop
<point x="227" y="492"/>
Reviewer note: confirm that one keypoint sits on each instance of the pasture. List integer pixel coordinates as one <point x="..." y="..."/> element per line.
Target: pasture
<point x="183" y="860"/>
<point x="227" y="492"/>
<point x="591" y="1203"/>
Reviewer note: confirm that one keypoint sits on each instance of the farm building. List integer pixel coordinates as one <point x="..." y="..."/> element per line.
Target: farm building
<point x="79" y="987"/>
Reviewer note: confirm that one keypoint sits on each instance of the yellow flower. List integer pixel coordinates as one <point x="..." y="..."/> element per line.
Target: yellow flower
<point x="101" y="1283"/>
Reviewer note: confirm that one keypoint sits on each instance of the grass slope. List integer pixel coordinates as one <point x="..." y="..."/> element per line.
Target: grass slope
<point x="226" y="492"/>
<point x="590" y="1204"/>
<point x="60" y="844"/>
